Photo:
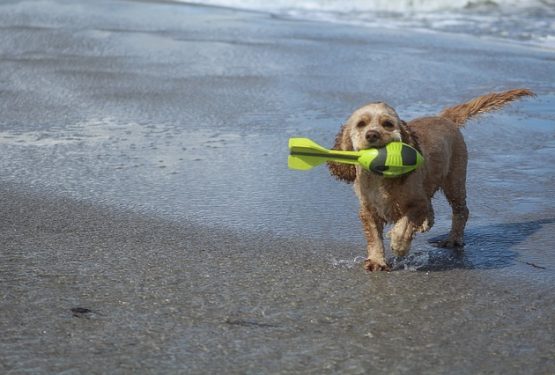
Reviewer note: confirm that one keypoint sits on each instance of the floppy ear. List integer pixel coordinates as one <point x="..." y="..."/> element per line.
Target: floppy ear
<point x="406" y="135"/>
<point x="343" y="172"/>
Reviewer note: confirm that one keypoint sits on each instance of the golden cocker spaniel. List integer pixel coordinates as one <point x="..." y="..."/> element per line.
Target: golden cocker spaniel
<point x="406" y="201"/>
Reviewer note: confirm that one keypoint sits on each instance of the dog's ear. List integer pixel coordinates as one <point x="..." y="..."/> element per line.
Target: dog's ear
<point x="406" y="135"/>
<point x="409" y="137"/>
<point x="343" y="172"/>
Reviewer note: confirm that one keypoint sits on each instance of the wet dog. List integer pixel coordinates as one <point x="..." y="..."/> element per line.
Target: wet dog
<point x="406" y="201"/>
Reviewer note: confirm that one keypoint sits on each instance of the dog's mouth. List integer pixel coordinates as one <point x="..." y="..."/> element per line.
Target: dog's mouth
<point x="379" y="144"/>
<point x="376" y="144"/>
<point x="383" y="141"/>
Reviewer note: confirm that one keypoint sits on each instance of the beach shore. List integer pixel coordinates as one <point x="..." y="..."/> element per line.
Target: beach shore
<point x="92" y="289"/>
<point x="148" y="222"/>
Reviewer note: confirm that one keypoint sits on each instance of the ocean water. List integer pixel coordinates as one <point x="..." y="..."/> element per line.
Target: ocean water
<point x="522" y="21"/>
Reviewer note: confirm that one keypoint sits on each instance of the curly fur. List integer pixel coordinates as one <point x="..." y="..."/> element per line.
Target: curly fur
<point x="406" y="201"/>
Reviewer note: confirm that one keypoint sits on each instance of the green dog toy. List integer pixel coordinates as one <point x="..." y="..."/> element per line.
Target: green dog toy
<point x="393" y="160"/>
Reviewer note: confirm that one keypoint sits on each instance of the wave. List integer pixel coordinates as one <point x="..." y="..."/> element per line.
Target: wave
<point x="528" y="21"/>
<point x="376" y="5"/>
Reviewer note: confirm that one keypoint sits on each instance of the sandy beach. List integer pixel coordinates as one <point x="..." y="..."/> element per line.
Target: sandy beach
<point x="149" y="223"/>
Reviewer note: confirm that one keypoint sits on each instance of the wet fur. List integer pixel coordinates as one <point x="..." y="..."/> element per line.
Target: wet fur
<point x="406" y="201"/>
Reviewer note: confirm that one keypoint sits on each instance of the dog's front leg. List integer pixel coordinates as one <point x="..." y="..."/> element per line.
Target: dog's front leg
<point x="401" y="236"/>
<point x="373" y="230"/>
<point x="417" y="217"/>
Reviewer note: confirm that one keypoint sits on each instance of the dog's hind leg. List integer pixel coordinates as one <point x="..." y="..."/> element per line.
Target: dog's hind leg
<point x="455" y="192"/>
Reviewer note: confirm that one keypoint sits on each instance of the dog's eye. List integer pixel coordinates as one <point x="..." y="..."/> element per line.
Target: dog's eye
<point x="361" y="124"/>
<point x="387" y="124"/>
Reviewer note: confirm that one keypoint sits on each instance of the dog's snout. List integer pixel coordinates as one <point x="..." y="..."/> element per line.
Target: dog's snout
<point x="372" y="135"/>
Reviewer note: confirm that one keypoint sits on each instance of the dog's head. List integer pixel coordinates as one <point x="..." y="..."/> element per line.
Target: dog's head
<point x="373" y="125"/>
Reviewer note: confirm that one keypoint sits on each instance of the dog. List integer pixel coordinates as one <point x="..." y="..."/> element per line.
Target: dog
<point x="405" y="201"/>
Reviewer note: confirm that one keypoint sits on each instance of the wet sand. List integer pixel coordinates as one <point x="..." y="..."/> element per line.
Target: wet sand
<point x="149" y="223"/>
<point x="173" y="297"/>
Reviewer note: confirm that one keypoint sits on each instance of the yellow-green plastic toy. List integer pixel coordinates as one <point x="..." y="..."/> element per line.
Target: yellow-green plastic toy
<point x="393" y="160"/>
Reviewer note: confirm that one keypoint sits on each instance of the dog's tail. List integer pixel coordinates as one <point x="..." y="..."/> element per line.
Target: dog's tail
<point x="482" y="104"/>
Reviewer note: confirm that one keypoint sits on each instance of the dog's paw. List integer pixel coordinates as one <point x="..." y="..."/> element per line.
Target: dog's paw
<point x="373" y="265"/>
<point x="426" y="226"/>
<point x="400" y="249"/>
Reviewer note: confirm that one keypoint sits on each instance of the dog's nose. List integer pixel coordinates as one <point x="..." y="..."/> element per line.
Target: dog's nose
<point x="372" y="135"/>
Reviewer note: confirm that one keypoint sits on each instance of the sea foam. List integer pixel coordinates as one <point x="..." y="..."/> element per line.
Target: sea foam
<point x="523" y="21"/>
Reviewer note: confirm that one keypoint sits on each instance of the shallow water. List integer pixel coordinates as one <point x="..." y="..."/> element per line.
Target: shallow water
<point x="225" y="260"/>
<point x="239" y="180"/>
